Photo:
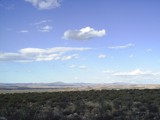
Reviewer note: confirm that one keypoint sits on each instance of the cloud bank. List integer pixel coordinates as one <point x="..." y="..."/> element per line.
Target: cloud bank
<point x="44" y="4"/>
<point x="136" y="74"/>
<point x="83" y="34"/>
<point x="37" y="54"/>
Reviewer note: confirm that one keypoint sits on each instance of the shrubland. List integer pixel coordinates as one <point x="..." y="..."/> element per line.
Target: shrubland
<point x="82" y="105"/>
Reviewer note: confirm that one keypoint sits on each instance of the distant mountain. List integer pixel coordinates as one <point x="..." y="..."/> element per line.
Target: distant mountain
<point x="122" y="83"/>
<point x="41" y="85"/>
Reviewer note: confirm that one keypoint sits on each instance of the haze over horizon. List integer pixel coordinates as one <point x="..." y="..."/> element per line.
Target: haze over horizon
<point x="105" y="41"/>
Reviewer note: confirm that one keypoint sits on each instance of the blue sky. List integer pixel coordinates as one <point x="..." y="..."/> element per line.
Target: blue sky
<point x="88" y="41"/>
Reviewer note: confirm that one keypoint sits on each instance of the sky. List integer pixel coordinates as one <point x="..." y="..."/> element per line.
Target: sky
<point x="80" y="41"/>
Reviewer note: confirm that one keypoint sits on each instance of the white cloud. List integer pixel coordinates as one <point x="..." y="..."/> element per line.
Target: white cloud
<point x="72" y="66"/>
<point x="41" y="22"/>
<point x="44" y="4"/>
<point x="48" y="57"/>
<point x="149" y="50"/>
<point x="37" y="54"/>
<point x="131" y="56"/>
<point x="24" y="31"/>
<point x="133" y="72"/>
<point x="82" y="67"/>
<point x="83" y="34"/>
<point x="101" y="56"/>
<point x="136" y="74"/>
<point x="43" y="25"/>
<point x="78" y="67"/>
<point x="76" y="78"/>
<point x="46" y="28"/>
<point x="122" y="46"/>
<point x="108" y="71"/>
<point x="75" y="56"/>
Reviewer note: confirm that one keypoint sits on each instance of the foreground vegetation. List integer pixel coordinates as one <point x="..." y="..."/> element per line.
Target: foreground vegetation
<point x="82" y="105"/>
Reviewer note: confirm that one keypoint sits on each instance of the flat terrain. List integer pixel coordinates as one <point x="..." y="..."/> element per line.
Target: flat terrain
<point x="60" y="86"/>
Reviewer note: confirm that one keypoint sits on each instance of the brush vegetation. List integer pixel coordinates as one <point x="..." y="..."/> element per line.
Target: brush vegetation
<point x="82" y="105"/>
